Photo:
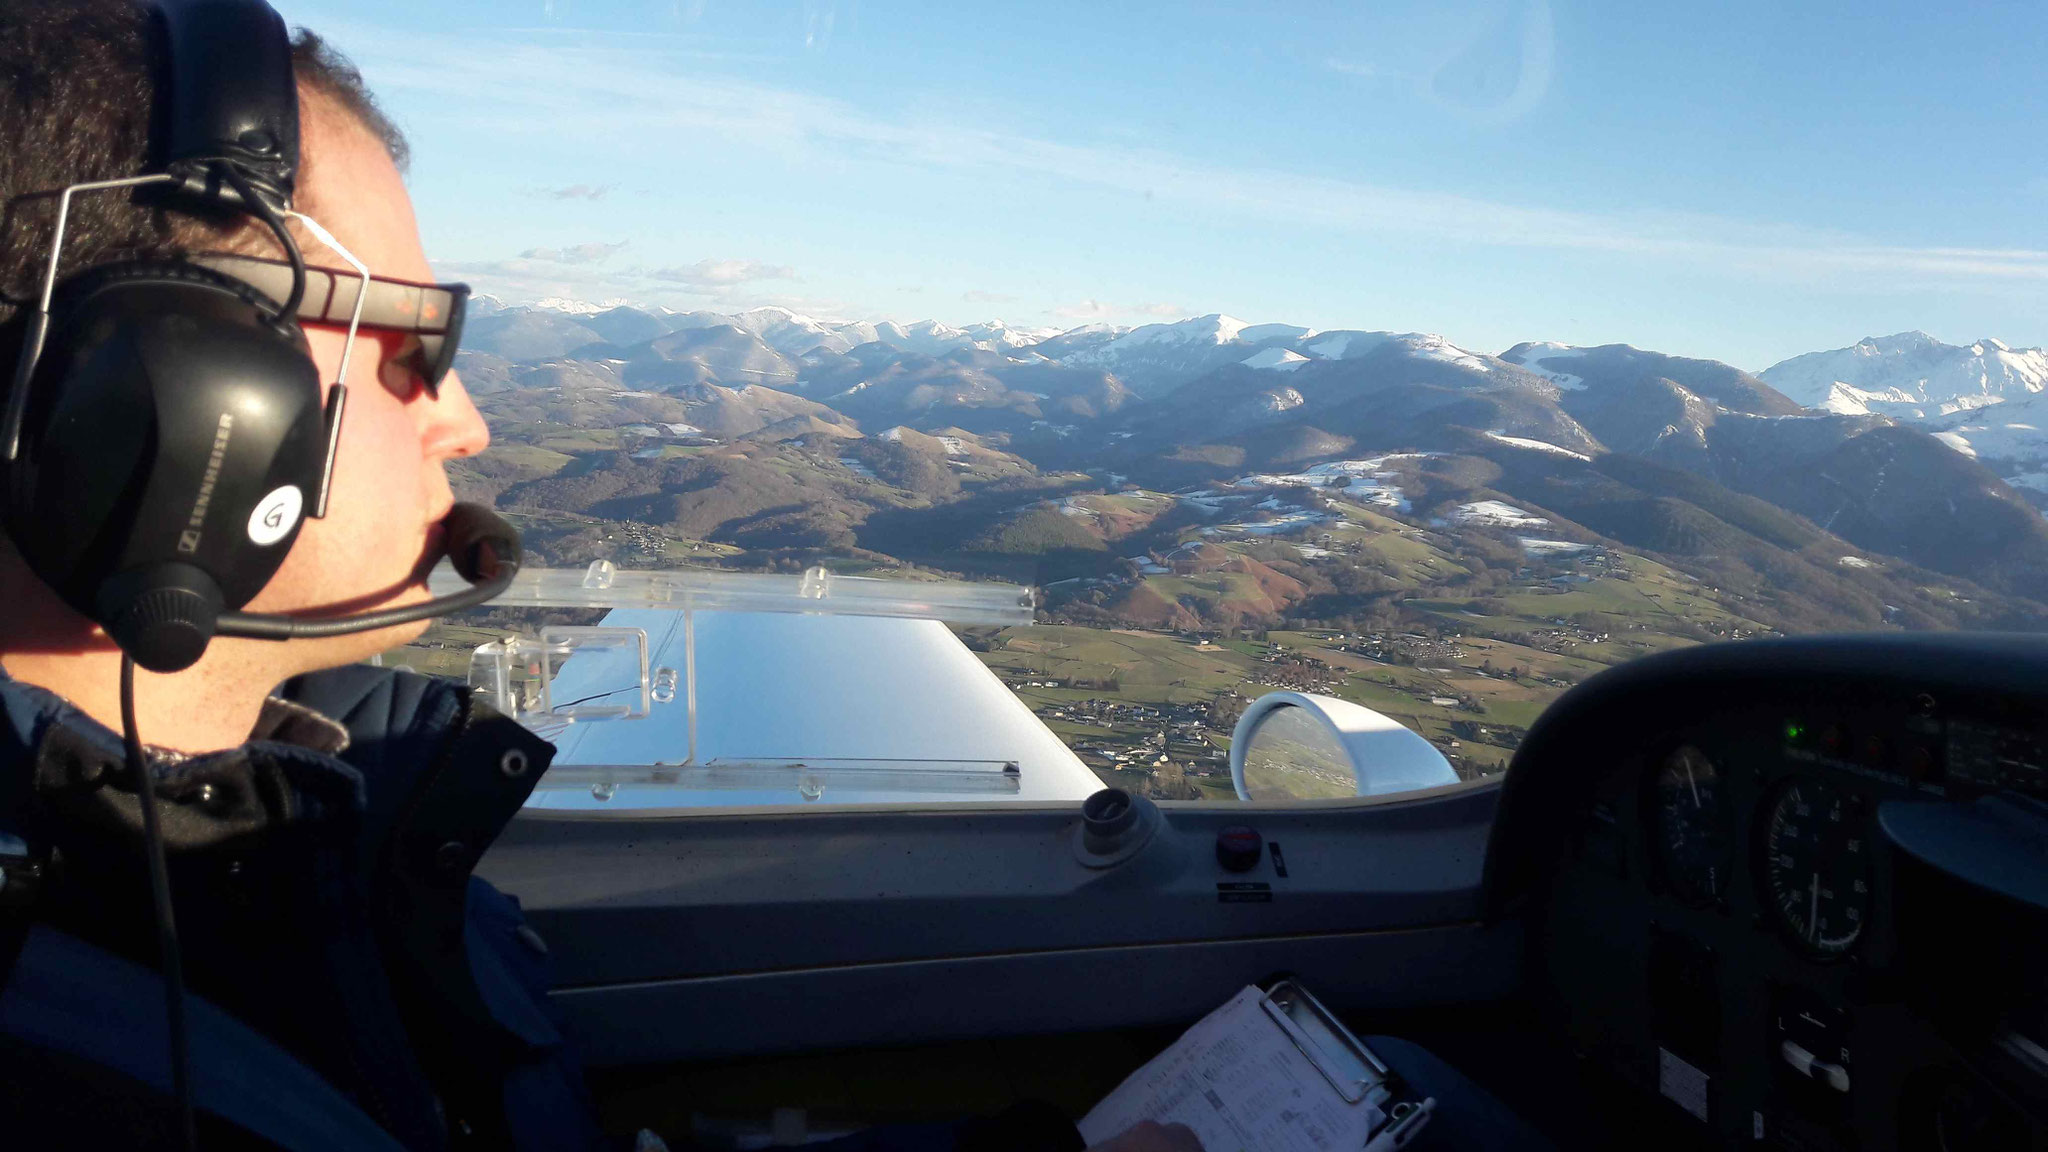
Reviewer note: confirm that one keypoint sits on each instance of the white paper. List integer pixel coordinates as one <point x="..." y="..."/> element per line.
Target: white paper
<point x="1240" y="1082"/>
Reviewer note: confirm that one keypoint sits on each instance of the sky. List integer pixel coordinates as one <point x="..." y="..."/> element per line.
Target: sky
<point x="1743" y="181"/>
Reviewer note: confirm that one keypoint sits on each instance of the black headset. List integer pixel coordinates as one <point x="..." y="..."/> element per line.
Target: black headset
<point x="167" y="432"/>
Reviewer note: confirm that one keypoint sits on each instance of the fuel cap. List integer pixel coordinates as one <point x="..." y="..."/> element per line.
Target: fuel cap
<point x="1238" y="848"/>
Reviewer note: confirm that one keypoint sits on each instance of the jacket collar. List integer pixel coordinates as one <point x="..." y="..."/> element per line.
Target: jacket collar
<point x="287" y="772"/>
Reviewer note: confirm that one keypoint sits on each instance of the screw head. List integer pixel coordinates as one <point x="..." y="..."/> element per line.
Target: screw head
<point x="513" y="764"/>
<point x="451" y="857"/>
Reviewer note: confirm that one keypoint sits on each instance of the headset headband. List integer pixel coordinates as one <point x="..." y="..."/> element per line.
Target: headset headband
<point x="226" y="96"/>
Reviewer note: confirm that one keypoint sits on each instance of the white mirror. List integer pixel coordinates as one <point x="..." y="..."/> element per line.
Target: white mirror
<point x="1295" y="756"/>
<point x="1294" y="746"/>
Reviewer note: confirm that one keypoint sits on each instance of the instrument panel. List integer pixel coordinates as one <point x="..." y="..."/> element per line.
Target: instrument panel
<point x="1808" y="836"/>
<point x="1718" y="922"/>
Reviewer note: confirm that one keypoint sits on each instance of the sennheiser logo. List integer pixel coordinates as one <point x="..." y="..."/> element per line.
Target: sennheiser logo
<point x="188" y="540"/>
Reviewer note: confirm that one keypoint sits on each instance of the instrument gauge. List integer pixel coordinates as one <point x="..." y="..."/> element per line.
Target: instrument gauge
<point x="1693" y="844"/>
<point x="1816" y="866"/>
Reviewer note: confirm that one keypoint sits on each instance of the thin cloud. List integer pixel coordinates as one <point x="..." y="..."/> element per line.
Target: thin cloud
<point x="523" y="280"/>
<point x="1359" y="68"/>
<point x="719" y="275"/>
<point x="977" y="296"/>
<point x="573" y="192"/>
<point x="523" y="88"/>
<point x="1097" y="310"/>
<point x="574" y="254"/>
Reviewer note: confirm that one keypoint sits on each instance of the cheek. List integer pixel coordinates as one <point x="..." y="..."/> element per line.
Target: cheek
<point x="377" y="511"/>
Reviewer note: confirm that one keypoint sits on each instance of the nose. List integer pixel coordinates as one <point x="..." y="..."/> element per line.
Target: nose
<point x="454" y="427"/>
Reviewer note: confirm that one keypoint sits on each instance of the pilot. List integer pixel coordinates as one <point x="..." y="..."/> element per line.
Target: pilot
<point x="326" y="1009"/>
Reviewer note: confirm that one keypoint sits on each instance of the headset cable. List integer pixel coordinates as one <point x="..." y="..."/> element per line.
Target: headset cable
<point x="160" y="900"/>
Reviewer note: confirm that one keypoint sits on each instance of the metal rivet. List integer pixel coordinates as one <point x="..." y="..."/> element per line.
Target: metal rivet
<point x="512" y="763"/>
<point x="451" y="856"/>
<point x="257" y="140"/>
<point x="208" y="794"/>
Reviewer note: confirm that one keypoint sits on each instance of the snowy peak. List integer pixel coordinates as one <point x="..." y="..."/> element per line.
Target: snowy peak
<point x="1548" y="359"/>
<point x="1912" y="370"/>
<point x="1209" y="330"/>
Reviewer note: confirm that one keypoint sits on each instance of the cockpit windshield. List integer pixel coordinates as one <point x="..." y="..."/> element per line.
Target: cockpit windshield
<point x="1427" y="358"/>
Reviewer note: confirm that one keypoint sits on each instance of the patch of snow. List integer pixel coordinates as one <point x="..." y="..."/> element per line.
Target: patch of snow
<point x="1285" y="522"/>
<point x="1495" y="513"/>
<point x="1855" y="562"/>
<point x="953" y="445"/>
<point x="1536" y="445"/>
<point x="1536" y="547"/>
<point x="1275" y="360"/>
<point x="1430" y="346"/>
<point x="1360" y="481"/>
<point x="1281" y="400"/>
<point x="1343" y="345"/>
<point x="857" y="468"/>
<point x="1539" y="356"/>
<point x="1957" y="441"/>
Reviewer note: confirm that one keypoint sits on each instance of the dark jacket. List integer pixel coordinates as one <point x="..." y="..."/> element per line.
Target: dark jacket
<point x="341" y="956"/>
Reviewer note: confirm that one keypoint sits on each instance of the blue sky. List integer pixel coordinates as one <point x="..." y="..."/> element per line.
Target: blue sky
<point x="1734" y="181"/>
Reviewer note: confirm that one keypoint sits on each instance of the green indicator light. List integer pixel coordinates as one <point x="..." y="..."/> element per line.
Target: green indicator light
<point x="1795" y="732"/>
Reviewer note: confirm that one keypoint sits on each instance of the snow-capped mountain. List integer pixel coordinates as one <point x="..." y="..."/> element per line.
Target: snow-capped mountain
<point x="1986" y="399"/>
<point x="1911" y="376"/>
<point x="1155" y="358"/>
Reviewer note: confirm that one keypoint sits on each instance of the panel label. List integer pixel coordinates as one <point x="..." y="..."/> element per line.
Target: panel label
<point x="1682" y="1084"/>
<point x="1244" y="892"/>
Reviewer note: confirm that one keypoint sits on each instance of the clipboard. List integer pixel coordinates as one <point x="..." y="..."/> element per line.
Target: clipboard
<point x="1271" y="1069"/>
<point x="1357" y="1075"/>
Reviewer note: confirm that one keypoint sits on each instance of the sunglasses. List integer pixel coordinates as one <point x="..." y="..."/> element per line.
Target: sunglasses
<point x="432" y="314"/>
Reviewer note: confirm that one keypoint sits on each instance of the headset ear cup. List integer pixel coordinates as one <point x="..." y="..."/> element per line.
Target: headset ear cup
<point x="170" y="411"/>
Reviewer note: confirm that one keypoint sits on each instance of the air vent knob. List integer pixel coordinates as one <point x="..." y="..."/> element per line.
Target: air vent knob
<point x="1238" y="848"/>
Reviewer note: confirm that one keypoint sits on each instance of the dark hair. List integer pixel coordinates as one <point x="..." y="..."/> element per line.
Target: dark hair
<point x="77" y="91"/>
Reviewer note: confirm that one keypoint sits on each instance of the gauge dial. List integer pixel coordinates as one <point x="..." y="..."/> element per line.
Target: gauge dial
<point x="1694" y="846"/>
<point x="1816" y="866"/>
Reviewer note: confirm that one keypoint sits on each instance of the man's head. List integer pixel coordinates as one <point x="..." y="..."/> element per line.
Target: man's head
<point x="77" y="96"/>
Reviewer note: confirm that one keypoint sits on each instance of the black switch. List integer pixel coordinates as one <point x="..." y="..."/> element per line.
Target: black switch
<point x="1238" y="848"/>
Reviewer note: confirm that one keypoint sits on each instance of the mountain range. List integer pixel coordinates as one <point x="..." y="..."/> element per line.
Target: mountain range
<point x="1897" y="481"/>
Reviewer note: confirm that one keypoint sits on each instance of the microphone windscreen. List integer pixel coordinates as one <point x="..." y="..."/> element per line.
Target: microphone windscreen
<point x="480" y="543"/>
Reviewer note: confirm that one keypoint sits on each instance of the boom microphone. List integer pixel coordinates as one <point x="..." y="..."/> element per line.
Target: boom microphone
<point x="483" y="548"/>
